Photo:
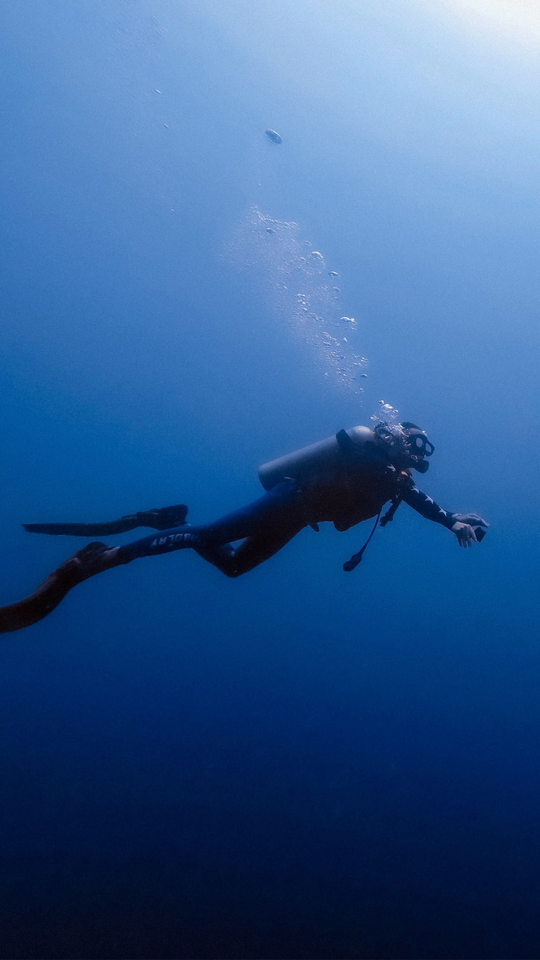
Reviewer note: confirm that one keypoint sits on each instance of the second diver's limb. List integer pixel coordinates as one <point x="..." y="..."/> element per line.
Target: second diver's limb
<point x="162" y="519"/>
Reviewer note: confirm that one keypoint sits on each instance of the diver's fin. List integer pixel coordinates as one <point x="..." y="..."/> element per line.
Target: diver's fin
<point x="162" y="519"/>
<point x="84" y="529"/>
<point x="92" y="559"/>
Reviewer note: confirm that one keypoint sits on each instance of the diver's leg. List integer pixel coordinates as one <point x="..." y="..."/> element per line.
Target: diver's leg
<point x="233" y="562"/>
<point x="279" y="508"/>
<point x="97" y="557"/>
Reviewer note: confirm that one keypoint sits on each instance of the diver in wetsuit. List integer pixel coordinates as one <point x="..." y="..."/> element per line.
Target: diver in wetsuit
<point x="345" y="479"/>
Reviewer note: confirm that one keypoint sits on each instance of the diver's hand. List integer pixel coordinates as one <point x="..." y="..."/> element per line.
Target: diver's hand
<point x="465" y="534"/>
<point x="471" y="518"/>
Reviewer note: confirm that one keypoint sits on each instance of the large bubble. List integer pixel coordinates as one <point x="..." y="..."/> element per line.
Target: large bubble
<point x="299" y="289"/>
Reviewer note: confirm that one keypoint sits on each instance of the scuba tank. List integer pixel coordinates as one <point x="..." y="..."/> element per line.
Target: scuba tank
<point x="318" y="457"/>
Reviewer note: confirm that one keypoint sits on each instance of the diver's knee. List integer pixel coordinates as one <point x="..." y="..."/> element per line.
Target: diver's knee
<point x="233" y="570"/>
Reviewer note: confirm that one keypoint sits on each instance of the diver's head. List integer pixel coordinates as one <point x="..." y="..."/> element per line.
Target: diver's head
<point x="418" y="446"/>
<point x="406" y="444"/>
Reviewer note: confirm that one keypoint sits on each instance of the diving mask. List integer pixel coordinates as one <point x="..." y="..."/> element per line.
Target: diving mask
<point x="419" y="445"/>
<point x="406" y="441"/>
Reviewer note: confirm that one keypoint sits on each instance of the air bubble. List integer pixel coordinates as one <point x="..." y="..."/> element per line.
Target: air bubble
<point x="315" y="313"/>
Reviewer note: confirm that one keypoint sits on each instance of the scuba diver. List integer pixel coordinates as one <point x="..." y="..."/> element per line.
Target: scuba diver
<point x="344" y="479"/>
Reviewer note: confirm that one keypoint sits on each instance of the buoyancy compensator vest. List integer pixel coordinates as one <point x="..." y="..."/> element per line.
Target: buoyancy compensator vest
<point x="325" y="457"/>
<point x="344" y="479"/>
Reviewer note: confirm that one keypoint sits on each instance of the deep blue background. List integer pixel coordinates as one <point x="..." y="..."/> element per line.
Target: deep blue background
<point x="298" y="763"/>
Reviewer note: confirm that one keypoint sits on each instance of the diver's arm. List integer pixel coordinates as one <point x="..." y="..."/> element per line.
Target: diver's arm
<point x="427" y="507"/>
<point x="462" y="525"/>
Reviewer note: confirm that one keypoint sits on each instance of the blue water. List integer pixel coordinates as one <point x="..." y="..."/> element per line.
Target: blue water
<point x="299" y="763"/>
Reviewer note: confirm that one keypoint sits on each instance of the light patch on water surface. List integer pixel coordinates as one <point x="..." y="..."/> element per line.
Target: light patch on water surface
<point x="299" y="288"/>
<point x="514" y="20"/>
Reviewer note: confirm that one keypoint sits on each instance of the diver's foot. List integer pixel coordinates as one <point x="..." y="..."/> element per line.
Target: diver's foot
<point x="92" y="559"/>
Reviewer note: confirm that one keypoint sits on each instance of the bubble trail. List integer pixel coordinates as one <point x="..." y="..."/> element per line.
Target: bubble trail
<point x="299" y="289"/>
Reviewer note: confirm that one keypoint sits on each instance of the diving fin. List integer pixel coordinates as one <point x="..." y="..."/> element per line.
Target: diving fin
<point x="162" y="519"/>
<point x="93" y="558"/>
